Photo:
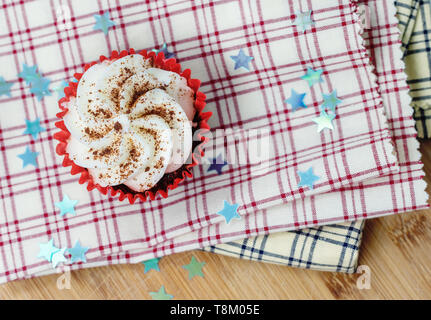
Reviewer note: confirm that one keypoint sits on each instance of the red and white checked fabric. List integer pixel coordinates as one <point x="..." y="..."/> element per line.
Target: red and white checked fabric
<point x="348" y="159"/>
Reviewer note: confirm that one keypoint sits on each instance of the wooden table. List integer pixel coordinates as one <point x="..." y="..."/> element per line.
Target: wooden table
<point x="397" y="250"/>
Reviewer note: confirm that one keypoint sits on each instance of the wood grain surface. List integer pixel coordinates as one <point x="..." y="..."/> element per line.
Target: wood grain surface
<point x="397" y="249"/>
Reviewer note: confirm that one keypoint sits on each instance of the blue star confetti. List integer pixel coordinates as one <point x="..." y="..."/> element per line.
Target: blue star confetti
<point x="229" y="211"/>
<point x="217" y="164"/>
<point x="308" y="178"/>
<point x="313" y="76"/>
<point x="78" y="252"/>
<point x="47" y="250"/>
<point x="161" y="295"/>
<point x="152" y="264"/>
<point x="296" y="100"/>
<point x="303" y="20"/>
<point x="40" y="88"/>
<point x="60" y="89"/>
<point x="66" y="206"/>
<point x="165" y="51"/>
<point x="29" y="74"/>
<point x="324" y="121"/>
<point x="103" y="22"/>
<point x="194" y="268"/>
<point x="241" y="60"/>
<point x="39" y="85"/>
<point x="330" y="101"/>
<point x="33" y="128"/>
<point x="58" y="257"/>
<point x="5" y="87"/>
<point x="28" y="157"/>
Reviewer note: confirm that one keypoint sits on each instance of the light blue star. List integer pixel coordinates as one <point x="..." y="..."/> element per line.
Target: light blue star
<point x="29" y="74"/>
<point x="324" y="121"/>
<point x="5" y="87"/>
<point x="161" y="294"/>
<point x="313" y="76"/>
<point x="296" y="100"/>
<point x="308" y="178"/>
<point x="303" y="20"/>
<point x="103" y="22"/>
<point x="66" y="206"/>
<point x="33" y="128"/>
<point x="229" y="211"/>
<point x="60" y="89"/>
<point x="152" y="264"/>
<point x="58" y="257"/>
<point x="40" y="88"/>
<point x="28" y="157"/>
<point x="194" y="268"/>
<point x="78" y="252"/>
<point x="330" y="101"/>
<point x="217" y="164"/>
<point x="165" y="51"/>
<point x="242" y="60"/>
<point x="47" y="250"/>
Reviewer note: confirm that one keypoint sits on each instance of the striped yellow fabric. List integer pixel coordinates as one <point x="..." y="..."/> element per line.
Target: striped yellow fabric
<point x="415" y="23"/>
<point x="329" y="248"/>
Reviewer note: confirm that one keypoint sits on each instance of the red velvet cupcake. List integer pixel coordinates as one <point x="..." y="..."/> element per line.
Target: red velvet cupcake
<point x="127" y="125"/>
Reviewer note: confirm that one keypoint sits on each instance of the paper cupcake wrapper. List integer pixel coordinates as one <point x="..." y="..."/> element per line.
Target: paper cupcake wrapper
<point x="121" y="190"/>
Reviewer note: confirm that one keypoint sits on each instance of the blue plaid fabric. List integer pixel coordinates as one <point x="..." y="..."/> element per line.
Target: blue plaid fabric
<point x="415" y="23"/>
<point x="327" y="248"/>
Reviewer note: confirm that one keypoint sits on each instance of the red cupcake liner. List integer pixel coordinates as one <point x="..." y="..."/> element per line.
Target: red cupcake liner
<point x="185" y="171"/>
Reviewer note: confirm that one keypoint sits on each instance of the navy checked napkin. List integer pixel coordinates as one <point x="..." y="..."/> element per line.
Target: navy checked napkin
<point x="415" y="23"/>
<point x="328" y="248"/>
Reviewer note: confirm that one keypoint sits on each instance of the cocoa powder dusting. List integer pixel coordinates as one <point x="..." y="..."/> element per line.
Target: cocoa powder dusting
<point x="118" y="126"/>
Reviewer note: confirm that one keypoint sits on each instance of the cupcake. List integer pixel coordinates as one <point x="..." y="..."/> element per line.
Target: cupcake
<point x="128" y="125"/>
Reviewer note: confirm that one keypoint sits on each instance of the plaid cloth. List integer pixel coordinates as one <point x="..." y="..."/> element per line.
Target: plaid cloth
<point x="355" y="159"/>
<point x="328" y="248"/>
<point x="415" y="23"/>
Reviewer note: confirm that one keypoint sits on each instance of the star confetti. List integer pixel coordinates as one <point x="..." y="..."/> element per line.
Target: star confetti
<point x="194" y="268"/>
<point x="33" y="128"/>
<point x="29" y="74"/>
<point x="28" y="157"/>
<point x="165" y="51"/>
<point x="60" y="89"/>
<point x="296" y="100"/>
<point x="58" y="257"/>
<point x="313" y="76"/>
<point x="241" y="60"/>
<point x="78" y="252"/>
<point x="161" y="295"/>
<point x="217" y="164"/>
<point x="330" y="101"/>
<point x="324" y="121"/>
<point x="47" y="250"/>
<point x="66" y="206"/>
<point x="308" y="178"/>
<point x="5" y="87"/>
<point x="40" y="87"/>
<point x="303" y="20"/>
<point x="103" y="22"/>
<point x="152" y="264"/>
<point x="229" y="211"/>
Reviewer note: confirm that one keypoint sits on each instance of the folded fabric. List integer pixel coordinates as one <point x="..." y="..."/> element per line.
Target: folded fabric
<point x="415" y="23"/>
<point x="251" y="59"/>
<point x="396" y="193"/>
<point x="328" y="248"/>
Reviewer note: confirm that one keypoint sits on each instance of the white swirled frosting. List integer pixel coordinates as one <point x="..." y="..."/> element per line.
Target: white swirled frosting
<point x="130" y="123"/>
